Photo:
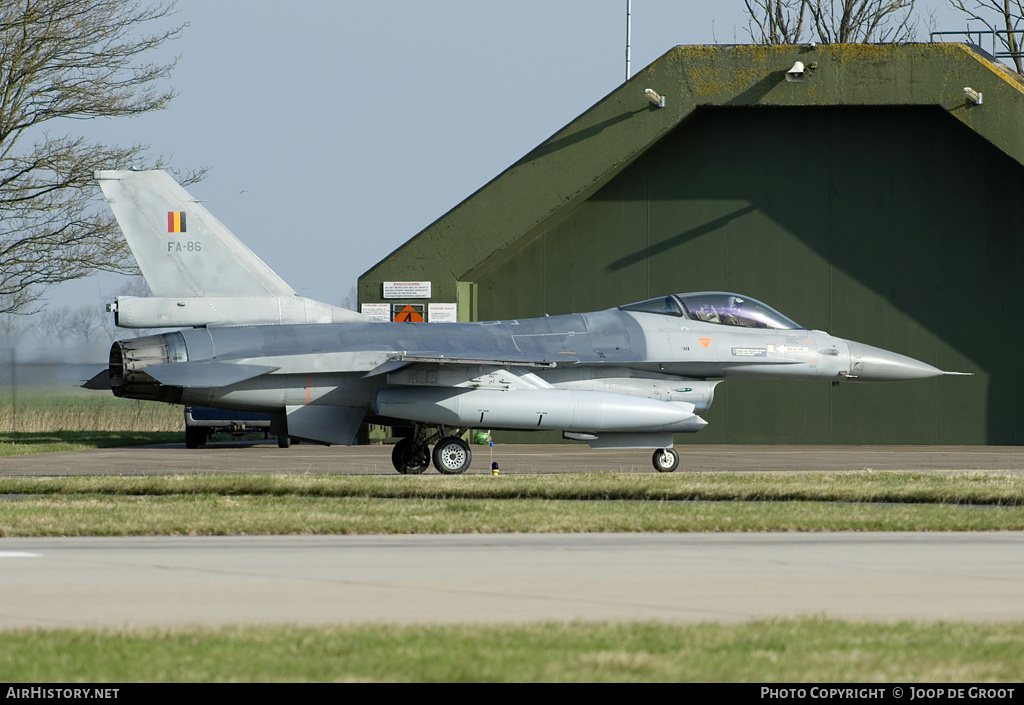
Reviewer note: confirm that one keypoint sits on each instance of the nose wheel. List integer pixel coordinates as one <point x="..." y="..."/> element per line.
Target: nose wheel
<point x="666" y="460"/>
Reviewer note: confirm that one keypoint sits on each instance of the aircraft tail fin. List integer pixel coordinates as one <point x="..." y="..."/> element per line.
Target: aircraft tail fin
<point x="182" y="249"/>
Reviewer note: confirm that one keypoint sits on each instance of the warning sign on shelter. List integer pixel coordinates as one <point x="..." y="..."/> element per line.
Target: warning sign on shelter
<point x="407" y="313"/>
<point x="378" y="312"/>
<point x="406" y="290"/>
<point x="442" y="313"/>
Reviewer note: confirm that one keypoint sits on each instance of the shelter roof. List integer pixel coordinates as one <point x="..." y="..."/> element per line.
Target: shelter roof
<point x="586" y="154"/>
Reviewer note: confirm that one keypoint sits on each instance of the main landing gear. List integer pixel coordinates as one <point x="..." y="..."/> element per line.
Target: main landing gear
<point x="451" y="456"/>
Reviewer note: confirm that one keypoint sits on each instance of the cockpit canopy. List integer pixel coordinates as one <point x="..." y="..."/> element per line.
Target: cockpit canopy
<point x="716" y="307"/>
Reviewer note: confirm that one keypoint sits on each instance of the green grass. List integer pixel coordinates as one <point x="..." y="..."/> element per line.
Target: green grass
<point x="629" y="502"/>
<point x="46" y="420"/>
<point x="25" y="442"/>
<point x="814" y="651"/>
<point x="44" y="410"/>
<point x="969" y="487"/>
<point x="778" y="650"/>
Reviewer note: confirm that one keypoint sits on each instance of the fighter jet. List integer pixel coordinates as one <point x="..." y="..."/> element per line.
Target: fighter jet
<point x="626" y="377"/>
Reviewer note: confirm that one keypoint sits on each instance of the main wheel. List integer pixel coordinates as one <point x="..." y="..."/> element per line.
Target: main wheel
<point x="408" y="458"/>
<point x="666" y="460"/>
<point x="284" y="441"/>
<point x="452" y="456"/>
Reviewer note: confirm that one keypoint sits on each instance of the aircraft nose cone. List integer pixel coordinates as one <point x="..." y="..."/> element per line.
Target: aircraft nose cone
<point x="871" y="364"/>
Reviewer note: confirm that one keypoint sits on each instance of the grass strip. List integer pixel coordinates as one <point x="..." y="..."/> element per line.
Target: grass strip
<point x="805" y="650"/>
<point x="24" y="442"/>
<point x="266" y="504"/>
<point x="969" y="487"/>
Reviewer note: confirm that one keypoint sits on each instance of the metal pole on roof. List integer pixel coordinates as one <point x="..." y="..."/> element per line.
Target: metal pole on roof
<point x="629" y="13"/>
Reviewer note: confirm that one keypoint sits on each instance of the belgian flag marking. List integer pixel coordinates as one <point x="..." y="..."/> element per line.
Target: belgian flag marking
<point x="176" y="221"/>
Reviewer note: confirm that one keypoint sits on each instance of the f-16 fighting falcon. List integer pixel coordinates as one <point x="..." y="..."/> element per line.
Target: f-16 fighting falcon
<point x="627" y="377"/>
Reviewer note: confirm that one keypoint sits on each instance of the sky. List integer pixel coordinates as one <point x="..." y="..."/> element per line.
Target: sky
<point x="334" y="131"/>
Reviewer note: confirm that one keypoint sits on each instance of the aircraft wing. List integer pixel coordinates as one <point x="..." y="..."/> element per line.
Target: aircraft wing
<point x="401" y="360"/>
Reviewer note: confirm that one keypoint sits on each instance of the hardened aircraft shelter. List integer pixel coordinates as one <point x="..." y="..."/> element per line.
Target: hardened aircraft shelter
<point x="875" y="199"/>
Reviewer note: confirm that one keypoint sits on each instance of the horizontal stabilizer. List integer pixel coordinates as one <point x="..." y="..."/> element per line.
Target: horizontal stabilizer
<point x="99" y="381"/>
<point x="205" y="374"/>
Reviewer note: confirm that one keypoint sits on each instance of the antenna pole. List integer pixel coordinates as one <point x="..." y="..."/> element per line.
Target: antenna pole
<point x="629" y="17"/>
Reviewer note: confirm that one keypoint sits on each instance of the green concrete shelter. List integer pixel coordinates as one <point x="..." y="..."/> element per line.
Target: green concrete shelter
<point x="874" y="200"/>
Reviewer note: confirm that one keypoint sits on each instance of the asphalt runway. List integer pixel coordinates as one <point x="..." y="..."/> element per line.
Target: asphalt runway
<point x="231" y="458"/>
<point x="675" y="578"/>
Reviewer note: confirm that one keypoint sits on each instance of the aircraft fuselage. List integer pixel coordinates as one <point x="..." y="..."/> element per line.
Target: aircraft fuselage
<point x="347" y="363"/>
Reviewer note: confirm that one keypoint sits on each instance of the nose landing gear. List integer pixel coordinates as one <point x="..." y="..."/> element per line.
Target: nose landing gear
<point x="666" y="460"/>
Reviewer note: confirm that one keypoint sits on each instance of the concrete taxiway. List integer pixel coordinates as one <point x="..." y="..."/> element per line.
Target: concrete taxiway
<point x="230" y="458"/>
<point x="677" y="578"/>
<point x="88" y="582"/>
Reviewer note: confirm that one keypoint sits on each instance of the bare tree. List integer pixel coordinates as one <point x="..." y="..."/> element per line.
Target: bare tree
<point x="1001" y="17"/>
<point x="831" y="21"/>
<point x="777" y="21"/>
<point x="351" y="300"/>
<point x="68" y="59"/>
<point x="53" y="323"/>
<point x="11" y="326"/>
<point x="83" y="321"/>
<point x="862" y="21"/>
